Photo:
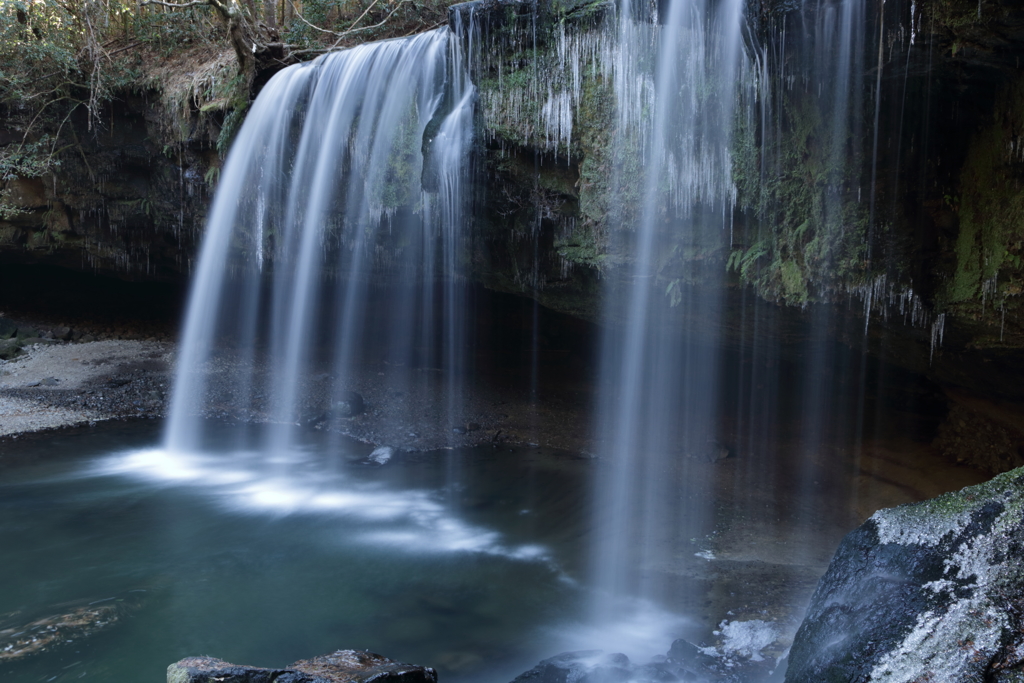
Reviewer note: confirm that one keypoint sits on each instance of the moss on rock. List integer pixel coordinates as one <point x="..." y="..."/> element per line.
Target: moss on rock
<point x="987" y="270"/>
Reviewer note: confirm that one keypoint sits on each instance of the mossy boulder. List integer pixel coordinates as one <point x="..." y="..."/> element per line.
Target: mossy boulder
<point x="348" y="666"/>
<point x="931" y="591"/>
<point x="10" y="348"/>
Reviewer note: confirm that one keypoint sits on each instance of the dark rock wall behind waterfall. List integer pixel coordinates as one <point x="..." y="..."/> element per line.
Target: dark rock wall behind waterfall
<point x="943" y="233"/>
<point x="128" y="200"/>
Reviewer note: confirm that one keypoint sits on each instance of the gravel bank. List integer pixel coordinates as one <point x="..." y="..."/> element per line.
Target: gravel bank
<point x="63" y="384"/>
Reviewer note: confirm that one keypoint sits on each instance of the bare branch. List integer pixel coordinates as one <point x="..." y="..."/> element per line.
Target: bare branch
<point x="351" y="28"/>
<point x="28" y="128"/>
<point x="39" y="78"/>
<point x="221" y="7"/>
<point x="418" y="29"/>
<point x="311" y="25"/>
<point x="347" y="32"/>
<point x="194" y="3"/>
<point x="122" y="49"/>
<point x="82" y="152"/>
<point x="56" y="136"/>
<point x="360" y="17"/>
<point x="49" y="92"/>
<point x="381" y="22"/>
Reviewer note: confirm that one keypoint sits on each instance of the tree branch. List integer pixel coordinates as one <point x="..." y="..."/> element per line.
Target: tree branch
<point x="359" y="18"/>
<point x="194" y="3"/>
<point x="419" y="29"/>
<point x="351" y="28"/>
<point x="122" y="49"/>
<point x="312" y="25"/>
<point x="347" y="32"/>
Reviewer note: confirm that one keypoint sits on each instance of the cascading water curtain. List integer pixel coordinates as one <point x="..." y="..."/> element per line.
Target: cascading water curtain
<point x="334" y="235"/>
<point x="811" y="96"/>
<point x="676" y="70"/>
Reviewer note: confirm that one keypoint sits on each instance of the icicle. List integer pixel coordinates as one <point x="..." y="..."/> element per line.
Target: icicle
<point x="988" y="289"/>
<point x="867" y="310"/>
<point x="938" y="328"/>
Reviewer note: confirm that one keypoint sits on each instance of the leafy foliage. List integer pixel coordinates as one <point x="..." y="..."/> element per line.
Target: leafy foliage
<point x="65" y="58"/>
<point x="809" y="232"/>
<point x="990" y="242"/>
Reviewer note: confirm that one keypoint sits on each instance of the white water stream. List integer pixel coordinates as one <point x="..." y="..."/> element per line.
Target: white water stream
<point x="349" y="170"/>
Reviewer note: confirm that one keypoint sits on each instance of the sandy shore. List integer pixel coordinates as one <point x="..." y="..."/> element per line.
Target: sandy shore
<point x="66" y="383"/>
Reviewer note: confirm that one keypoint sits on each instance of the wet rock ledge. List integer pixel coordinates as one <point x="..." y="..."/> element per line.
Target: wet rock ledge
<point x="932" y="591"/>
<point x="343" y="666"/>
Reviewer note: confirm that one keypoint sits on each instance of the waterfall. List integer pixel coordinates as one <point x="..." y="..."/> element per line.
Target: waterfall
<point x="676" y="77"/>
<point x="334" y="237"/>
<point x="335" y="248"/>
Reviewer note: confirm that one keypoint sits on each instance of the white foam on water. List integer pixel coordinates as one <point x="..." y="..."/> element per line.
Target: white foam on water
<point x="382" y="454"/>
<point x="291" y="483"/>
<point x="747" y="638"/>
<point x="641" y="632"/>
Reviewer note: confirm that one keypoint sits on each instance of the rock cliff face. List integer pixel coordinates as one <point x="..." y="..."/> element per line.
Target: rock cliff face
<point x="130" y="201"/>
<point x="918" y="223"/>
<point x="932" y="591"/>
<point x="130" y="198"/>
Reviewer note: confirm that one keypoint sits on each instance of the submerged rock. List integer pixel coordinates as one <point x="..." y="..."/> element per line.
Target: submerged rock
<point x="9" y="348"/>
<point x="684" y="662"/>
<point x="343" y="666"/>
<point x="68" y="625"/>
<point x="589" y="666"/>
<point x="931" y="591"/>
<point x="712" y="451"/>
<point x="25" y="332"/>
<point x="350" y="405"/>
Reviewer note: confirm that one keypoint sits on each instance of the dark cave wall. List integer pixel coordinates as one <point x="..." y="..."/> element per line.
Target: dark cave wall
<point x="129" y="199"/>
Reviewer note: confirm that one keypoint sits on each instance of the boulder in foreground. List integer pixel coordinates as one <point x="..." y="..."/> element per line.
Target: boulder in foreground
<point x="932" y="591"/>
<point x="343" y="666"/>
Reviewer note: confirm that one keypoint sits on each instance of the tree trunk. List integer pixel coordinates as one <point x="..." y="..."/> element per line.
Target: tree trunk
<point x="270" y="13"/>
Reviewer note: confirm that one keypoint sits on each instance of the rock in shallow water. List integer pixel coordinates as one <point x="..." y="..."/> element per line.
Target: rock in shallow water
<point x="63" y="627"/>
<point x="381" y="455"/>
<point x="684" y="662"/>
<point x="587" y="666"/>
<point x="350" y="405"/>
<point x="343" y="666"/>
<point x="932" y="591"/>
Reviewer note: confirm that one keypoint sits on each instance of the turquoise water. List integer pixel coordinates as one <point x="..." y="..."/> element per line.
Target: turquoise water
<point x="467" y="560"/>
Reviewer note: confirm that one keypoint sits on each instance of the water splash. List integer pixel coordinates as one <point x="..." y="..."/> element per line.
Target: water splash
<point x="303" y="482"/>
